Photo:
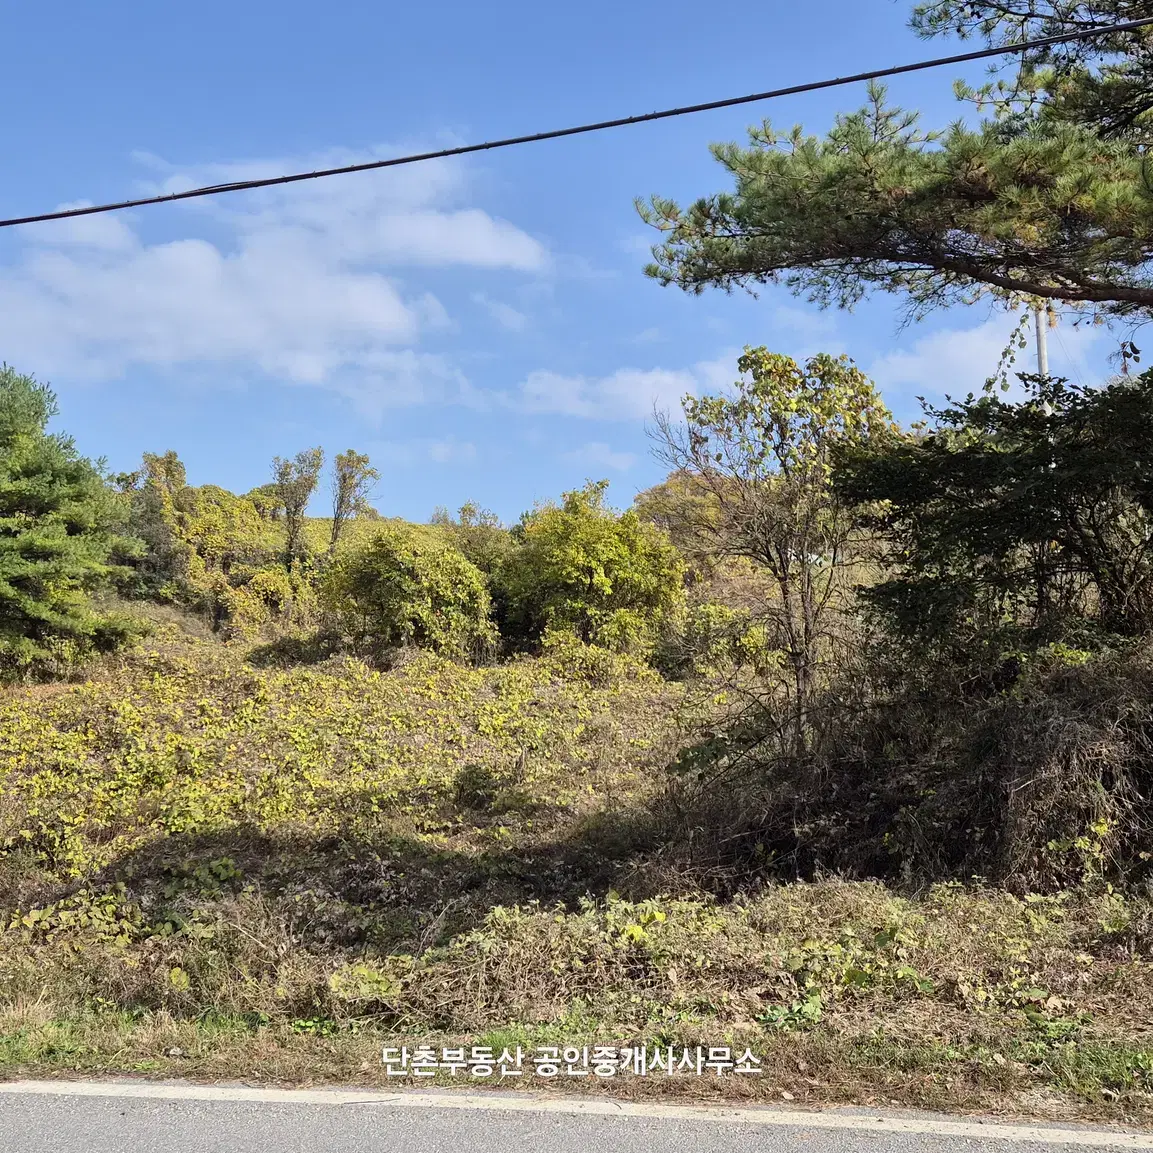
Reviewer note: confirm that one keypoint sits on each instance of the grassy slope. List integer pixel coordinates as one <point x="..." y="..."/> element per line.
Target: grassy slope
<point x="276" y="872"/>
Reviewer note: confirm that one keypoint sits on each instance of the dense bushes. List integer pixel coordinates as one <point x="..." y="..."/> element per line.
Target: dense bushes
<point x="1046" y="785"/>
<point x="199" y="856"/>
<point x="216" y="554"/>
<point x="610" y="578"/>
<point x="709" y="638"/>
<point x="1009" y="526"/>
<point x="407" y="586"/>
<point x="987" y="713"/>
<point x="478" y="534"/>
<point x="254" y="567"/>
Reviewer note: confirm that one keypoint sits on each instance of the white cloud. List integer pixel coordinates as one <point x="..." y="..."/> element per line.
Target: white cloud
<point x="718" y="374"/>
<point x="387" y="379"/>
<point x="640" y="243"/>
<point x="417" y="452"/>
<point x="300" y="282"/>
<point x="957" y="361"/>
<point x="107" y="231"/>
<point x="504" y="314"/>
<point x="597" y="454"/>
<point x="627" y="394"/>
<point x="467" y="237"/>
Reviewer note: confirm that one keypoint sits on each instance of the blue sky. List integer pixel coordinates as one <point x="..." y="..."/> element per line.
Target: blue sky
<point x="481" y="326"/>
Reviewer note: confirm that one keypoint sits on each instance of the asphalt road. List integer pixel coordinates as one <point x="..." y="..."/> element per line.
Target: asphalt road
<point x="141" y="1117"/>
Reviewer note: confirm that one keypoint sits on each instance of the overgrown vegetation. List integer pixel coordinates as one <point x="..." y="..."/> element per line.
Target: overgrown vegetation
<point x="834" y="746"/>
<point x="408" y="586"/>
<point x="610" y="579"/>
<point x="210" y="868"/>
<point x="552" y="783"/>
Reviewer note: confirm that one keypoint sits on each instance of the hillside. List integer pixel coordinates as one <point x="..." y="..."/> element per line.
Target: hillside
<point x="221" y="870"/>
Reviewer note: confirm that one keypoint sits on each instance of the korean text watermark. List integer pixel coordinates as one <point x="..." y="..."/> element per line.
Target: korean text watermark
<point x="568" y="1061"/>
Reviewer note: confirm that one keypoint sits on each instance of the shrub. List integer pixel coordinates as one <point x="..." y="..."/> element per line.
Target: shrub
<point x="407" y="586"/>
<point x="576" y="661"/>
<point x="708" y="638"/>
<point x="1037" y="788"/>
<point x="608" y="577"/>
<point x="478" y="534"/>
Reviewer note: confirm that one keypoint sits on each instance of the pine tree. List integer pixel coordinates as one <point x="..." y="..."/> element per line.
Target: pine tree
<point x="60" y="527"/>
<point x="1048" y="198"/>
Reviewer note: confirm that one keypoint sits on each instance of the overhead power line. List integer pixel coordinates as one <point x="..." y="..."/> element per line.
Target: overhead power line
<point x="580" y="129"/>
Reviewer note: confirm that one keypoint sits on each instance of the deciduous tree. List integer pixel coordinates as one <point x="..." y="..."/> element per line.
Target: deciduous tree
<point x="295" y="482"/>
<point x="352" y="479"/>
<point x="760" y="459"/>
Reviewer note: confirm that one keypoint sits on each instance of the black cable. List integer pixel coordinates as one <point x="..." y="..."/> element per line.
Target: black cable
<point x="600" y="126"/>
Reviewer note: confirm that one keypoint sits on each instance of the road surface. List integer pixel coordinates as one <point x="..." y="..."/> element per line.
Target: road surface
<point x="158" y="1117"/>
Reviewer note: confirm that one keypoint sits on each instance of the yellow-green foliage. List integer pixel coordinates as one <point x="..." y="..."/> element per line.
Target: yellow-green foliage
<point x="333" y="849"/>
<point x="225" y="529"/>
<point x="318" y="531"/>
<point x="195" y="743"/>
<point x="478" y="533"/>
<point x="406" y="585"/>
<point x="153" y="825"/>
<point x="218" y="553"/>
<point x="708" y="638"/>
<point x="611" y="578"/>
<point x="966" y="962"/>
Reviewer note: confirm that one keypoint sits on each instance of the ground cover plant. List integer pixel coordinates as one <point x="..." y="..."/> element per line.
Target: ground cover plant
<point x="217" y="869"/>
<point x="836" y="745"/>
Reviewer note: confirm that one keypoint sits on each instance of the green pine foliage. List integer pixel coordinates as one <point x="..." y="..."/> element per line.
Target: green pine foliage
<point x="60" y="533"/>
<point x="1045" y="199"/>
<point x="1103" y="81"/>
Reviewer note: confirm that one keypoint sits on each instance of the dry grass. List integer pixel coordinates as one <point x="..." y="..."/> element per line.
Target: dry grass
<point x="978" y="1002"/>
<point x="1045" y="785"/>
<point x="223" y="872"/>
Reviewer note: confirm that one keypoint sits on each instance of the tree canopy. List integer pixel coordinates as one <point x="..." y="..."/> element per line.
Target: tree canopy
<point x="408" y="586"/>
<point x="1048" y="198"/>
<point x="352" y="479"/>
<point x="1010" y="524"/>
<point x="582" y="567"/>
<point x="294" y="483"/>
<point x="760" y="460"/>
<point x="1103" y="81"/>
<point x="61" y="525"/>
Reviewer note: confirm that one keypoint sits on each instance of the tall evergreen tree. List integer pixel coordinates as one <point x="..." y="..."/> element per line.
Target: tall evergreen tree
<point x="60" y="525"/>
<point x="1048" y="198"/>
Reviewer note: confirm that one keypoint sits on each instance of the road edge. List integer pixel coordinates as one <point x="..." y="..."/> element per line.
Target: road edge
<point x="866" y="1122"/>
